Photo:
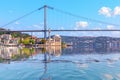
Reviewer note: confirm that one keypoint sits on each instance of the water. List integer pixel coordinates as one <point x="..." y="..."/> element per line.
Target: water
<point x="28" y="64"/>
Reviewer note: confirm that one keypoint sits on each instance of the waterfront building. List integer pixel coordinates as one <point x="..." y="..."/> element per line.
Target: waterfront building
<point x="54" y="45"/>
<point x="6" y="39"/>
<point x="54" y="41"/>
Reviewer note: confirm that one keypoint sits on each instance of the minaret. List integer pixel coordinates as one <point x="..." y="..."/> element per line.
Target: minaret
<point x="49" y="37"/>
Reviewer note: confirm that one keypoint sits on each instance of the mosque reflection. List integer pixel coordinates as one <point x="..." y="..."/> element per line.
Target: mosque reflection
<point x="8" y="54"/>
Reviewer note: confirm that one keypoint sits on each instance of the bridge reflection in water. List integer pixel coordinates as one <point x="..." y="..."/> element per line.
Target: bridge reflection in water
<point x="10" y="54"/>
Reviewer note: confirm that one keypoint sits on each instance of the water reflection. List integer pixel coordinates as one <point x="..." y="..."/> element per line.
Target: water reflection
<point x="89" y="50"/>
<point x="54" y="62"/>
<point x="45" y="75"/>
<point x="8" y="54"/>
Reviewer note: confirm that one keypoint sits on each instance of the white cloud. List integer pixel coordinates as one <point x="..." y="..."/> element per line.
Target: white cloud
<point x="61" y="28"/>
<point x="98" y="28"/>
<point x="37" y="26"/>
<point x="17" y="23"/>
<point x="117" y="10"/>
<point x="106" y="11"/>
<point x="81" y="24"/>
<point x="110" y="27"/>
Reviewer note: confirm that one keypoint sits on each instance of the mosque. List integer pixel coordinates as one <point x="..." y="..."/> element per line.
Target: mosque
<point x="54" y="41"/>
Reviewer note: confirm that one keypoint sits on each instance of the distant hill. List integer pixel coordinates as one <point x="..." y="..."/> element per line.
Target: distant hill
<point x="92" y="44"/>
<point x="73" y="39"/>
<point x="14" y="34"/>
<point x="87" y="39"/>
<point x="2" y="29"/>
<point x="84" y="38"/>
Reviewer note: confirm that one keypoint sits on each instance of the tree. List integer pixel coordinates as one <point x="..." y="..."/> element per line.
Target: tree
<point x="16" y="34"/>
<point x="32" y="41"/>
<point x="26" y="41"/>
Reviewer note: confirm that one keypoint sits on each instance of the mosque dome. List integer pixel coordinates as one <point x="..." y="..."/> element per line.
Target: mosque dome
<point x="57" y="36"/>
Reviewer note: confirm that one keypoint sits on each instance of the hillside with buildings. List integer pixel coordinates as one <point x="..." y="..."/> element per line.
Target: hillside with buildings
<point x="16" y="39"/>
<point x="91" y="43"/>
<point x="101" y="43"/>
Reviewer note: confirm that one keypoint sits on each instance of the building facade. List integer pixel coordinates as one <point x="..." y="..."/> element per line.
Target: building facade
<point x="54" y="41"/>
<point x="6" y="39"/>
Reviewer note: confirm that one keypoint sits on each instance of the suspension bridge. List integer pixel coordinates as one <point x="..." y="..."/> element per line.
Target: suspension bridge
<point x="45" y="30"/>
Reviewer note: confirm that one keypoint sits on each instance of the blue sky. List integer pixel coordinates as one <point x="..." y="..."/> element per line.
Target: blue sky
<point x="103" y="10"/>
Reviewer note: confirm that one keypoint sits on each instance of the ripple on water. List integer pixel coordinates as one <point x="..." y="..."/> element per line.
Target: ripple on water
<point x="70" y="68"/>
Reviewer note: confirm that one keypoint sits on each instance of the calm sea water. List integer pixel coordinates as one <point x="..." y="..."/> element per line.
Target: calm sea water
<point x="29" y="64"/>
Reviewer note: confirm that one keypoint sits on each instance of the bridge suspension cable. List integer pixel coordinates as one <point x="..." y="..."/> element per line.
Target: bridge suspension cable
<point x="63" y="12"/>
<point x="21" y="17"/>
<point x="78" y="16"/>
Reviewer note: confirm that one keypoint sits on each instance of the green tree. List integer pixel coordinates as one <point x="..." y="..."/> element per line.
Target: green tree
<point x="25" y="35"/>
<point x="26" y="41"/>
<point x="32" y="41"/>
<point x="16" y="34"/>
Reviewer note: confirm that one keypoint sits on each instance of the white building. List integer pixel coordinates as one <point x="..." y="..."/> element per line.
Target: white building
<point x="7" y="39"/>
<point x="55" y="40"/>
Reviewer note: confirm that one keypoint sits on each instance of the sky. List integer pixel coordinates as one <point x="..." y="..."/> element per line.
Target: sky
<point x="100" y="10"/>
